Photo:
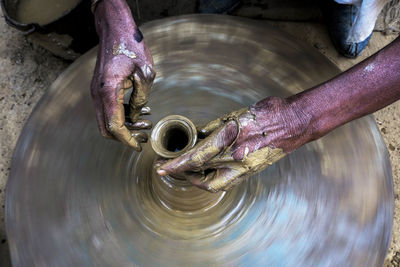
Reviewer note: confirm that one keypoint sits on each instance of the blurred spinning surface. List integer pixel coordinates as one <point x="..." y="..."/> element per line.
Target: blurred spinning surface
<point x="76" y="199"/>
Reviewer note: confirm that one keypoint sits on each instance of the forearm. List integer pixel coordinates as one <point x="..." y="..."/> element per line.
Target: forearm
<point x="114" y="16"/>
<point x="363" y="89"/>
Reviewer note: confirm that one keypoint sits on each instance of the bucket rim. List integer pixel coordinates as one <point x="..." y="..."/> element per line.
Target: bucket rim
<point x="28" y="28"/>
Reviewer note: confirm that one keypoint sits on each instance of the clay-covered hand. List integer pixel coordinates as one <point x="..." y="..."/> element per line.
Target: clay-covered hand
<point x="240" y="144"/>
<point x="123" y="62"/>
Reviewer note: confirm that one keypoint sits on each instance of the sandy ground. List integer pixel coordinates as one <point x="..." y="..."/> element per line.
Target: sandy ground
<point x="26" y="71"/>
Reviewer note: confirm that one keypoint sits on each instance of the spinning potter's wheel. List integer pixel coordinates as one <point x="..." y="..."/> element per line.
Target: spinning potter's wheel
<point x="76" y="199"/>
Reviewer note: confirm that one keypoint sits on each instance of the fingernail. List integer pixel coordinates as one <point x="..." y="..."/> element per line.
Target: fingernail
<point x="145" y="111"/>
<point x="140" y="124"/>
<point x="161" y="172"/>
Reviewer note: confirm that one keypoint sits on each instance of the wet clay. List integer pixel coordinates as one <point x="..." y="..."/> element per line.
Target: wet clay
<point x="110" y="208"/>
<point x="43" y="11"/>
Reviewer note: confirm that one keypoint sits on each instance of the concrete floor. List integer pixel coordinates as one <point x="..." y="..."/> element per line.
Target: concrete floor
<point x="26" y="71"/>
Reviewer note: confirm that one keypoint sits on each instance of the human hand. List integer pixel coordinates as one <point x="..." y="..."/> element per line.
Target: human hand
<point x="123" y="62"/>
<point x="241" y="144"/>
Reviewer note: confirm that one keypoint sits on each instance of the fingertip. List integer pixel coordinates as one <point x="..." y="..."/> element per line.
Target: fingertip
<point x="133" y="143"/>
<point x="169" y="167"/>
<point x="210" y="127"/>
<point x="203" y="133"/>
<point x="164" y="168"/>
<point x="138" y="148"/>
<point x="170" y="164"/>
<point x="140" y="137"/>
<point x="145" y="111"/>
<point x="161" y="172"/>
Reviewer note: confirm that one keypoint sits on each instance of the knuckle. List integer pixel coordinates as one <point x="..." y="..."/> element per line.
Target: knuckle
<point x="139" y="103"/>
<point x="148" y="72"/>
<point x="197" y="163"/>
<point x="112" y="127"/>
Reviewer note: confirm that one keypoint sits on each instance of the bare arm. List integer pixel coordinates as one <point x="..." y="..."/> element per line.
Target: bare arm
<point x="363" y="89"/>
<point x="244" y="142"/>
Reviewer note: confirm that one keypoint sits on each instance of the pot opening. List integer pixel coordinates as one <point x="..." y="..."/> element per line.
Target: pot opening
<point x="176" y="138"/>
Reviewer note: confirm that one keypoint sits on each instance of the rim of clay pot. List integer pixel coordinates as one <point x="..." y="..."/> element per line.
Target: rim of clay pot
<point x="164" y="130"/>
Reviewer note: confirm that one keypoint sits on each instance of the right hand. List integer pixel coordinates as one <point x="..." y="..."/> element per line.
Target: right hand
<point x="241" y="144"/>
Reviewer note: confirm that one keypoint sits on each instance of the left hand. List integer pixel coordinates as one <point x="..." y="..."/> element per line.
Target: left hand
<point x="123" y="62"/>
<point x="241" y="144"/>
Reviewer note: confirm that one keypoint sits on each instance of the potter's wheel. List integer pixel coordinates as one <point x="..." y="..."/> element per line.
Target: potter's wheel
<point x="76" y="199"/>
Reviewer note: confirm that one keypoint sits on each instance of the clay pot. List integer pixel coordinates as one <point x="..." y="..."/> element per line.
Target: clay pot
<point x="172" y="136"/>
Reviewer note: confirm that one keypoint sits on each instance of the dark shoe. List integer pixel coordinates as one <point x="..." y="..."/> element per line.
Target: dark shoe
<point x="340" y="19"/>
<point x="216" y="6"/>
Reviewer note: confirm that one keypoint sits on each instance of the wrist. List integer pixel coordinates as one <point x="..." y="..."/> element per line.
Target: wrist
<point x="305" y="121"/>
<point x="113" y="16"/>
<point x="321" y="108"/>
<point x="288" y="124"/>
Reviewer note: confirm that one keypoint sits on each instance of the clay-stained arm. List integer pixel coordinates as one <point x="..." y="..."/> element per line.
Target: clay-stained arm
<point x="247" y="141"/>
<point x="361" y="90"/>
<point x="123" y="60"/>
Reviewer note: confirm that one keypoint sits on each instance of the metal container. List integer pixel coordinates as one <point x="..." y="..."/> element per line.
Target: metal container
<point x="68" y="36"/>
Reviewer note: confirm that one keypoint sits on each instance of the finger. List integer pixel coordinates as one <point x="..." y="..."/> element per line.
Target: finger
<point x="101" y="124"/>
<point x="215" y="124"/>
<point x="205" y="150"/>
<point x="100" y="117"/>
<point x="138" y="125"/>
<point x="145" y="111"/>
<point x="219" y="179"/>
<point x="142" y="81"/>
<point x="127" y="84"/>
<point x="210" y="127"/>
<point x="159" y="162"/>
<point x="124" y="135"/>
<point x="115" y="120"/>
<point x="141" y="137"/>
<point x="220" y="161"/>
